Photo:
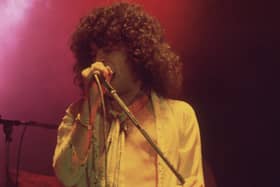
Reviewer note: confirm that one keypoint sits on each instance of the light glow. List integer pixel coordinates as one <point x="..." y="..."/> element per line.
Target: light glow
<point x="12" y="15"/>
<point x="14" y="9"/>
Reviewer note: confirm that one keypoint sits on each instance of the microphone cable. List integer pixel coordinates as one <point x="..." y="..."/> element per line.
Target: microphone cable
<point x="19" y="154"/>
<point x="104" y="125"/>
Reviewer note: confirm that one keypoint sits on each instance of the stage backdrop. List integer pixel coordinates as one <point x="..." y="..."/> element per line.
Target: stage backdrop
<point x="219" y="42"/>
<point x="36" y="79"/>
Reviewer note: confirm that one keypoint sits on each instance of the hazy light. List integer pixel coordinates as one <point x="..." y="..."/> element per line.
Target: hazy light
<point x="14" y="9"/>
<point x="12" y="16"/>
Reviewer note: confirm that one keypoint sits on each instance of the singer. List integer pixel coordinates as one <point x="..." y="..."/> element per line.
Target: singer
<point x="126" y="46"/>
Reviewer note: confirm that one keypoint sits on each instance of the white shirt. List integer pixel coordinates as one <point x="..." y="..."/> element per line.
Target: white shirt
<point x="178" y="137"/>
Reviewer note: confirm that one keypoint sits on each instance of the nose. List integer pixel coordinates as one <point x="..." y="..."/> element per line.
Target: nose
<point x="100" y="56"/>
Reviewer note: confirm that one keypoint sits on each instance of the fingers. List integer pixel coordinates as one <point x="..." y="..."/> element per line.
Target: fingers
<point x="86" y="73"/>
<point x="90" y="86"/>
<point x="99" y="68"/>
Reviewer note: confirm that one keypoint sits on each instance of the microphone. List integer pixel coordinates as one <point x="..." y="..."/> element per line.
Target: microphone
<point x="88" y="74"/>
<point x="98" y="76"/>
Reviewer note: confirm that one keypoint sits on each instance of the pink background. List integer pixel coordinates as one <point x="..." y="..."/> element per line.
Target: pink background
<point x="225" y="46"/>
<point x="36" y="64"/>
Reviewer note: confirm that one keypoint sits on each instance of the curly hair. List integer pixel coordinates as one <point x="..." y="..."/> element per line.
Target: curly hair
<point x="152" y="59"/>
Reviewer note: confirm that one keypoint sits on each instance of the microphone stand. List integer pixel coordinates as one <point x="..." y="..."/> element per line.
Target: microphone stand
<point x="8" y="129"/>
<point x="121" y="103"/>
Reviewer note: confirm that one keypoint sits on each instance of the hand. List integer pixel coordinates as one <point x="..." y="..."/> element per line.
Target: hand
<point x="91" y="90"/>
<point x="87" y="74"/>
<point x="98" y="67"/>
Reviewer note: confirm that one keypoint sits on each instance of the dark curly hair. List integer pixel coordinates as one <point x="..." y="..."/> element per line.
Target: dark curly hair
<point x="155" y="64"/>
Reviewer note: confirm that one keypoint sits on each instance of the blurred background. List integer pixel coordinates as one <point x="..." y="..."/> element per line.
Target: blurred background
<point x="225" y="46"/>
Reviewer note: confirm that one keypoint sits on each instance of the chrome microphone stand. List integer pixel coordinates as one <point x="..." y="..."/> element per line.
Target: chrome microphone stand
<point x="123" y="106"/>
<point x="8" y="129"/>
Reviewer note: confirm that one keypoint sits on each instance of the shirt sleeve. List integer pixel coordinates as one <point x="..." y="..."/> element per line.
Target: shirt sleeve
<point x="68" y="168"/>
<point x="190" y="159"/>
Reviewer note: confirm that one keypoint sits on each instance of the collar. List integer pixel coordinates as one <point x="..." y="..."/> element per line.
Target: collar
<point x="137" y="105"/>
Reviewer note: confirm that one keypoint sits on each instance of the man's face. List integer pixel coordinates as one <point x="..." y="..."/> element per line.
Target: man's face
<point x="124" y="79"/>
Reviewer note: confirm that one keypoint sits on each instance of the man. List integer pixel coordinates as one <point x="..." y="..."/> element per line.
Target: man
<point x="126" y="46"/>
